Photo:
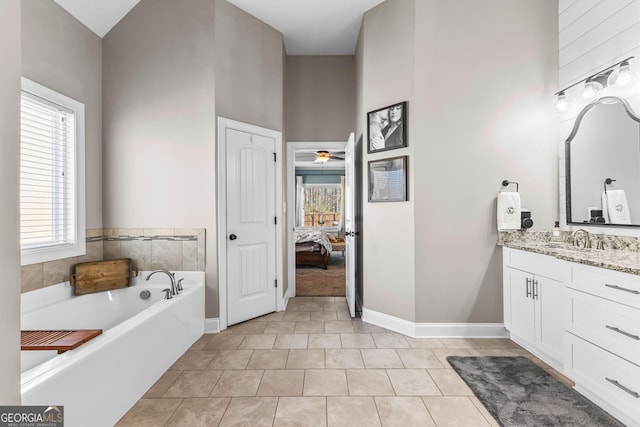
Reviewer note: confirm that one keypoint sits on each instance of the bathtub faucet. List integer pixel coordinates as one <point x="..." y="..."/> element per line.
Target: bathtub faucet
<point x="174" y="288"/>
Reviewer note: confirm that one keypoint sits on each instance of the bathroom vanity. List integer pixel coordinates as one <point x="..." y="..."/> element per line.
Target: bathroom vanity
<point x="579" y="311"/>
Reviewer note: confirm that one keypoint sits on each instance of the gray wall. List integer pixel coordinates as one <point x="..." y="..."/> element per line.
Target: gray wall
<point x="320" y="98"/>
<point x="9" y="160"/>
<point x="159" y="123"/>
<point x="249" y="68"/>
<point x="479" y="112"/>
<point x="64" y="55"/>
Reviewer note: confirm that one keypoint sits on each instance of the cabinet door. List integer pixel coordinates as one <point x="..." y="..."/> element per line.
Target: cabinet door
<point x="521" y="305"/>
<point x="548" y="296"/>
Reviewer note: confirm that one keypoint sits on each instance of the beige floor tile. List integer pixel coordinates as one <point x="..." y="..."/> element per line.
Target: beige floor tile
<point x="306" y="359"/>
<point x="390" y="340"/>
<point x="343" y="315"/>
<point x="250" y="411"/>
<point x="224" y="342"/>
<point x="494" y="343"/>
<point x="381" y="358"/>
<point x="323" y="315"/>
<point x="424" y="342"/>
<point x="487" y="416"/>
<point x="412" y="382"/>
<point x="457" y="342"/>
<point x="454" y="412"/>
<point x="338" y="326"/>
<point x="449" y="382"/>
<point x="301" y="411"/>
<point x="418" y="358"/>
<point x="369" y="382"/>
<point x="325" y="382"/>
<point x="335" y="306"/>
<point x="297" y="316"/>
<point x="343" y="359"/>
<point x="237" y="383"/>
<point x="324" y="299"/>
<point x="304" y="327"/>
<point x="279" y="328"/>
<point x="162" y="385"/>
<point x="231" y="359"/>
<point x="352" y="411"/>
<point x="403" y="412"/>
<point x="272" y="317"/>
<point x="149" y="413"/>
<point x="268" y="359"/>
<point x="312" y="306"/>
<point x="281" y="382"/>
<point x="193" y="384"/>
<point x="357" y="341"/>
<point x="489" y="352"/>
<point x="250" y="327"/>
<point x="194" y="360"/>
<point x="202" y="342"/>
<point x="199" y="412"/>
<point x="443" y="353"/>
<point x="324" y="341"/>
<point x="291" y="341"/>
<point x="364" y="327"/>
<point x="258" y="342"/>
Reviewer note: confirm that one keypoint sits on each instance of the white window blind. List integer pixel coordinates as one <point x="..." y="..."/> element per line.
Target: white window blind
<point x="51" y="224"/>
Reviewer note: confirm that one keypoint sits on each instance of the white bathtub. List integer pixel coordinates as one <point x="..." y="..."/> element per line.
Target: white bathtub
<point x="98" y="382"/>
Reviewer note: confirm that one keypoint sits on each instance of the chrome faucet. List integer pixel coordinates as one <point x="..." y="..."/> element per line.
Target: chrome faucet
<point x="576" y="240"/>
<point x="174" y="287"/>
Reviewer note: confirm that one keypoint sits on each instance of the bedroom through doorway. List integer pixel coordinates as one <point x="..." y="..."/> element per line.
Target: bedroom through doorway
<point x="319" y="222"/>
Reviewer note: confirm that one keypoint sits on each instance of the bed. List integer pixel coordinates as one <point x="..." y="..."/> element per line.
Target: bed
<point x="312" y="248"/>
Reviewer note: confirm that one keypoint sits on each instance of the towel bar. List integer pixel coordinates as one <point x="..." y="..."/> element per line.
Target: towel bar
<point x="506" y="182"/>
<point x="607" y="181"/>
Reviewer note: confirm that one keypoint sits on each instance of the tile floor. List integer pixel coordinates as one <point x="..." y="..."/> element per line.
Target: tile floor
<point x="312" y="365"/>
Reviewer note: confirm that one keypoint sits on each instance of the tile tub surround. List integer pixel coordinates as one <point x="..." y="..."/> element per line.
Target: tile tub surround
<point x="620" y="254"/>
<point x="358" y="375"/>
<point x="150" y="248"/>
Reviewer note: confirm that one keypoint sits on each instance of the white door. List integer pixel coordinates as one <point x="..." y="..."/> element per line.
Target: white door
<point x="349" y="224"/>
<point x="549" y="297"/>
<point x="251" y="229"/>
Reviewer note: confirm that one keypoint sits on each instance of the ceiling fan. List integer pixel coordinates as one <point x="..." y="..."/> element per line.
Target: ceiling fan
<point x="323" y="156"/>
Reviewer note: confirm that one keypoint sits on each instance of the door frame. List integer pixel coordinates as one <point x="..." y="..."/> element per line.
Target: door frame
<point x="292" y="147"/>
<point x="223" y="125"/>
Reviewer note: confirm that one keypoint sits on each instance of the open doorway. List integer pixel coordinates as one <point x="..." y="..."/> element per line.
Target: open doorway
<point x="316" y="182"/>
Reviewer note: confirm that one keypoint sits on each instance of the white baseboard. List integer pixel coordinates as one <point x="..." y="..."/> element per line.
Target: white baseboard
<point x="211" y="325"/>
<point x="434" y="330"/>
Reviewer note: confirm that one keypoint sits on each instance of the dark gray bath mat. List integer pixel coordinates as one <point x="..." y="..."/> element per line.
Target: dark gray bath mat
<point x="519" y="393"/>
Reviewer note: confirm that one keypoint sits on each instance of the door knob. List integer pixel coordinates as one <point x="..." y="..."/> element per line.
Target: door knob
<point x="347" y="233"/>
<point x="232" y="237"/>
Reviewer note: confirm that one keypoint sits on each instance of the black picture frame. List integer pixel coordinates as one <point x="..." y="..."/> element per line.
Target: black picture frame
<point x="383" y="132"/>
<point x="388" y="179"/>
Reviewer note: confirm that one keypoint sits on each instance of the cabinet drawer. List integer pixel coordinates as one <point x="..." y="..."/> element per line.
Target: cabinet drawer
<point x="610" y="378"/>
<point x="608" y="324"/>
<point x="612" y="285"/>
<point x="541" y="265"/>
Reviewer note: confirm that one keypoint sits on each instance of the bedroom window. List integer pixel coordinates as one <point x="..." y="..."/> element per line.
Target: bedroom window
<point x="52" y="214"/>
<point x="322" y="205"/>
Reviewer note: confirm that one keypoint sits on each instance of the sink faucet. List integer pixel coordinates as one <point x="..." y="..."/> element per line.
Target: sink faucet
<point x="174" y="288"/>
<point x="576" y="240"/>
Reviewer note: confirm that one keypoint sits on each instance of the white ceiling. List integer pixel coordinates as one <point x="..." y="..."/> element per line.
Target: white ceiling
<point x="310" y="27"/>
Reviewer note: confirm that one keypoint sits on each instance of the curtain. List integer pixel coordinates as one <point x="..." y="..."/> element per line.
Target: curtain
<point x="341" y="220"/>
<point x="299" y="202"/>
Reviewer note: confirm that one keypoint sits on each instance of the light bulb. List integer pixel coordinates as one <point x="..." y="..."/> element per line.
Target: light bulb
<point x="561" y="103"/>
<point x="590" y="90"/>
<point x="624" y="74"/>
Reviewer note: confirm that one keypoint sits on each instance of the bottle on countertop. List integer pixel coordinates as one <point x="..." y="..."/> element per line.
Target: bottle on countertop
<point x="555" y="233"/>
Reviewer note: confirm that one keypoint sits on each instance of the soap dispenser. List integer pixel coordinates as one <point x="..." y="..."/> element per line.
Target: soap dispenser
<point x="555" y="233"/>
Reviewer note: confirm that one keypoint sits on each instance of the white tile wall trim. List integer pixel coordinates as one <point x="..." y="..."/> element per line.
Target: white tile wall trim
<point x="211" y="325"/>
<point x="435" y="330"/>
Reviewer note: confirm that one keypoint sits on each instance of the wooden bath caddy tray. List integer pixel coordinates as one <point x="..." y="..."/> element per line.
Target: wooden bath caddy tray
<point x="98" y="276"/>
<point x="56" y="340"/>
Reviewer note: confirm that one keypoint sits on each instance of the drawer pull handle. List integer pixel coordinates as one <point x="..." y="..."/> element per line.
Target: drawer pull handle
<point x="620" y="331"/>
<point x="528" y="287"/>
<point x="632" y="291"/>
<point x="623" y="388"/>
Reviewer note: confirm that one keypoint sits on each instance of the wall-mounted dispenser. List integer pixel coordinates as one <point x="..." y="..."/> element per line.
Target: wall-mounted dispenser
<point x="525" y="219"/>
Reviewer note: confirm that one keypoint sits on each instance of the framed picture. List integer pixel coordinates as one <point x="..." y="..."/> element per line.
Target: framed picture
<point x="388" y="180"/>
<point x="387" y="128"/>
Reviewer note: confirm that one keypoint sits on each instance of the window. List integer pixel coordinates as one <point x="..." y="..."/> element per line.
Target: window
<point x="322" y="205"/>
<point x="51" y="175"/>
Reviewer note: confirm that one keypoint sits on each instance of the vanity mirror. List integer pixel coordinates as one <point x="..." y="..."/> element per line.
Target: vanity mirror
<point x="603" y="165"/>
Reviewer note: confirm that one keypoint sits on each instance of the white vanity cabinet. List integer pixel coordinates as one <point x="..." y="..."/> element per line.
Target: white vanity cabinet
<point x="533" y="303"/>
<point x="602" y="339"/>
